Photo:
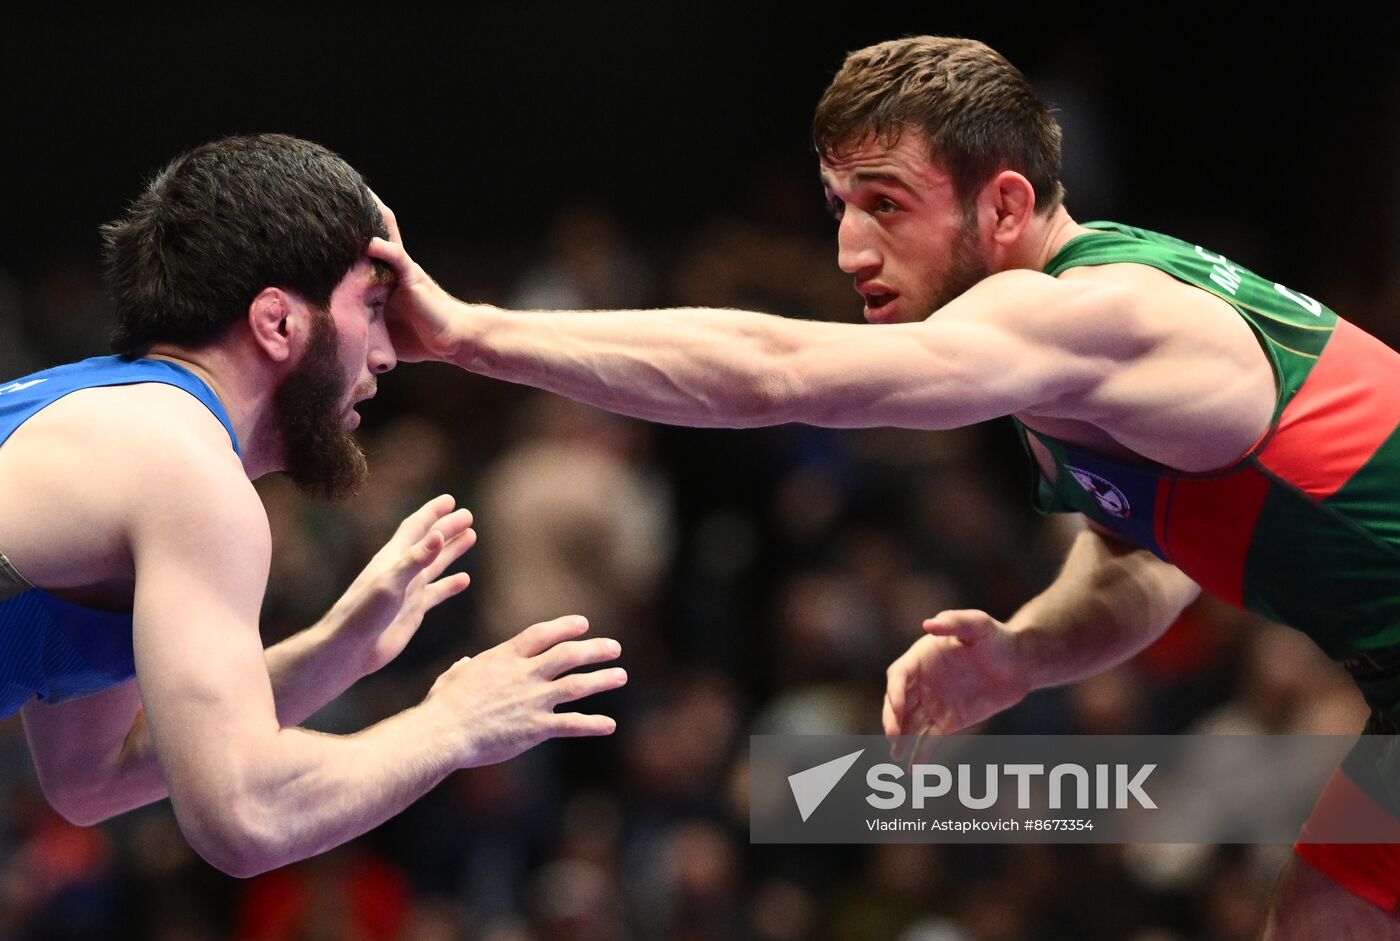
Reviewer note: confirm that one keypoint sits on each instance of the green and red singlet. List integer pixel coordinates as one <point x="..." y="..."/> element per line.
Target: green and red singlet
<point x="1303" y="530"/>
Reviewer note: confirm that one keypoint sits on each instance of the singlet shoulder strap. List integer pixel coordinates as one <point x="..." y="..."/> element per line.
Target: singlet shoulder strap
<point x="11" y="581"/>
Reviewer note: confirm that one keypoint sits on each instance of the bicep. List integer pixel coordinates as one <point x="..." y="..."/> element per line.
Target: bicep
<point x="1017" y="340"/>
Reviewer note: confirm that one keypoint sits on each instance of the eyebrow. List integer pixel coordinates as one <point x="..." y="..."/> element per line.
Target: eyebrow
<point x="864" y="177"/>
<point x="381" y="275"/>
<point x="888" y="178"/>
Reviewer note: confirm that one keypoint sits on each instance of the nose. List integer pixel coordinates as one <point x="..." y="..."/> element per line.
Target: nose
<point x="382" y="357"/>
<point x="856" y="252"/>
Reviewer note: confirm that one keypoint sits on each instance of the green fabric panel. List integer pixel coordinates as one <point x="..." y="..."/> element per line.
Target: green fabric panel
<point x="1312" y="569"/>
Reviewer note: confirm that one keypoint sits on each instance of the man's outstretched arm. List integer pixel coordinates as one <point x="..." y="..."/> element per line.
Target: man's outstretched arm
<point x="1109" y="602"/>
<point x="1016" y="340"/>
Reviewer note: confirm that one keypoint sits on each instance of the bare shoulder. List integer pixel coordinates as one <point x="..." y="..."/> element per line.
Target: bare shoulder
<point x="1096" y="317"/>
<point x="141" y="431"/>
<point x="85" y="474"/>
<point x="1152" y="292"/>
<point x="1203" y="389"/>
<point x="179" y="458"/>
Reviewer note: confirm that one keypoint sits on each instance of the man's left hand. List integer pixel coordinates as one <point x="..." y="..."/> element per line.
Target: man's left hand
<point x="383" y="607"/>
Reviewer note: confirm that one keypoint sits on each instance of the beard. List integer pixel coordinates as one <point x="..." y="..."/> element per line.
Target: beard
<point x="319" y="453"/>
<point x="966" y="266"/>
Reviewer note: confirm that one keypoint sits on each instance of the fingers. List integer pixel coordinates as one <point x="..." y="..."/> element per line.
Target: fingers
<point x="537" y="638"/>
<point x="454" y="549"/>
<point x="423" y="552"/>
<point x="577" y="653"/>
<point x="392" y="254"/>
<point x="454" y="524"/>
<point x="926" y="745"/>
<point x="966" y="626"/>
<point x="909" y="721"/>
<point x="894" y="699"/>
<point x="578" y="725"/>
<point x="449" y="587"/>
<point x="390" y="222"/>
<point x="442" y="536"/>
<point x="580" y="685"/>
<point x="896" y="704"/>
<point x="911" y="734"/>
<point x="417" y="523"/>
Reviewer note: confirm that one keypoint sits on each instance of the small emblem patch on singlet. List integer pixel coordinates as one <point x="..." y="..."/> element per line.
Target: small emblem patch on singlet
<point x="17" y="386"/>
<point x="1110" y="498"/>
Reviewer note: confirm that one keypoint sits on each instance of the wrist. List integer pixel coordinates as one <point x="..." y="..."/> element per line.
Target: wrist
<point x="1037" y="655"/>
<point x="442" y="729"/>
<point x="337" y="638"/>
<point x="465" y="337"/>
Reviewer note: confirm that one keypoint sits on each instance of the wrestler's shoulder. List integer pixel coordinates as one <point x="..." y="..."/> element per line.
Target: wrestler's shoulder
<point x="147" y="421"/>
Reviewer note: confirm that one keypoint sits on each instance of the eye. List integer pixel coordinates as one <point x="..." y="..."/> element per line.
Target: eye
<point x="885" y="204"/>
<point x="836" y="207"/>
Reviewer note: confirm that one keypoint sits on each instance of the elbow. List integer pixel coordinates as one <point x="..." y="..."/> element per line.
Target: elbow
<point x="768" y="397"/>
<point x="236" y="866"/>
<point x="231" y="859"/>
<point x="234" y="838"/>
<point x="77" y="803"/>
<point x="77" y="810"/>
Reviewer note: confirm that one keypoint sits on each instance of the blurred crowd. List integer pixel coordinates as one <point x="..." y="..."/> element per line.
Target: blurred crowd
<point x="760" y="582"/>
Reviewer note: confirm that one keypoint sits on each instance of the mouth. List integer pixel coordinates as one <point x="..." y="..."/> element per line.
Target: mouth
<point x="877" y="301"/>
<point x="352" y="414"/>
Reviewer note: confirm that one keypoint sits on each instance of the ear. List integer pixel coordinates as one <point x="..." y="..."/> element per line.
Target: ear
<point x="273" y="318"/>
<point x="1007" y="204"/>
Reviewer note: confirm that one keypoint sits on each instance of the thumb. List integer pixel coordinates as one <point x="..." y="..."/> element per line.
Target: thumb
<point x="967" y="626"/>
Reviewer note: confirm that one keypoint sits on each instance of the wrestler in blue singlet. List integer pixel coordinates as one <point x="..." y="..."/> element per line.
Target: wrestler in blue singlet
<point x="49" y="648"/>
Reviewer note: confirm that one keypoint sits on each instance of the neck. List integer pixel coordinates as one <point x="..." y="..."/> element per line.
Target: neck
<point x="244" y="394"/>
<point x="1043" y="238"/>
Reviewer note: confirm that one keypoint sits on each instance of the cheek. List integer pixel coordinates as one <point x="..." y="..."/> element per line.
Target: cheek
<point x="354" y="338"/>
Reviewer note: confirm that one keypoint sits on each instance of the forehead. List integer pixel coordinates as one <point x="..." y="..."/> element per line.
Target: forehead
<point x="364" y="276"/>
<point x="907" y="161"/>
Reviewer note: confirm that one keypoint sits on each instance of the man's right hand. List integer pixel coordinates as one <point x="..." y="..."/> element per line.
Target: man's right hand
<point x="420" y="311"/>
<point x="967" y="670"/>
<point x="501" y="703"/>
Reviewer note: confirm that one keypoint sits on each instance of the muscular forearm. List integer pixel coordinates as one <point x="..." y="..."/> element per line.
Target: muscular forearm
<point x="1108" y="603"/>
<point x="698" y="367"/>
<point x="308" y="670"/>
<point x="305" y="792"/>
<point x="312" y="667"/>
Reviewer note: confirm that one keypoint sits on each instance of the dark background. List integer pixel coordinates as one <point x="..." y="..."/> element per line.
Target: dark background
<point x="781" y="569"/>
<point x="478" y="124"/>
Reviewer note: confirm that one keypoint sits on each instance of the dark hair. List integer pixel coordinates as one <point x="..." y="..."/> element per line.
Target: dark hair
<point x="976" y="110"/>
<point x="226" y="220"/>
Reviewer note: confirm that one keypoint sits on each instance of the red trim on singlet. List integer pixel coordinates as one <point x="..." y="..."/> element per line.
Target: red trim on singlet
<point x="1368" y="870"/>
<point x="1159" y="513"/>
<point x="1345" y="410"/>
<point x="1209" y="526"/>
